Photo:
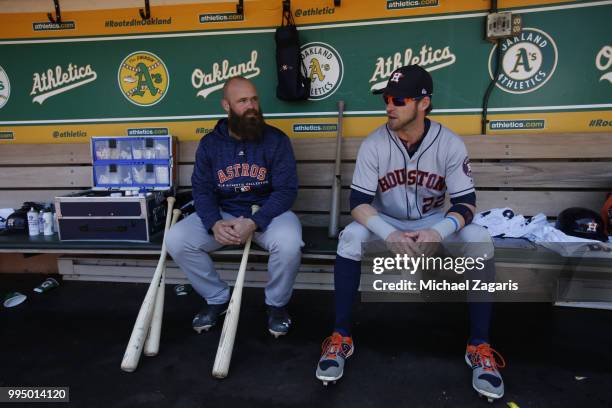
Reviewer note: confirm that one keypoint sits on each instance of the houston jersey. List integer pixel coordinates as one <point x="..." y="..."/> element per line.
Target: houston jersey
<point x="411" y="188"/>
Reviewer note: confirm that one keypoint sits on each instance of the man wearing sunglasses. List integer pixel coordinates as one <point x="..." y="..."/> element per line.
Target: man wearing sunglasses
<point x="403" y="173"/>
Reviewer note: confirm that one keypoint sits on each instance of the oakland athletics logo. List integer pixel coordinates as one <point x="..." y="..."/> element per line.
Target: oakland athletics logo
<point x="143" y="78"/>
<point x="528" y="61"/>
<point x="323" y="67"/>
<point x="5" y="88"/>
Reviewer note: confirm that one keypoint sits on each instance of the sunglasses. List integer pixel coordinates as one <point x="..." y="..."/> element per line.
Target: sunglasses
<point x="399" y="101"/>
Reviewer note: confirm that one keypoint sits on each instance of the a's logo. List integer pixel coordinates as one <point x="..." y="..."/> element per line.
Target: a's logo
<point x="54" y="82"/>
<point x="219" y="73"/>
<point x="5" y="87"/>
<point x="143" y="78"/>
<point x="603" y="62"/>
<point x="528" y="61"/>
<point x="428" y="57"/>
<point x="324" y="67"/>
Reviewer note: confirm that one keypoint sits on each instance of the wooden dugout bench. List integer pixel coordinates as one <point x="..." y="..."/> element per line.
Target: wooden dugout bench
<point x="529" y="173"/>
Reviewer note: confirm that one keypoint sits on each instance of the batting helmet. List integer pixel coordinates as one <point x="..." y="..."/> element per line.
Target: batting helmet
<point x="17" y="222"/>
<point x="581" y="222"/>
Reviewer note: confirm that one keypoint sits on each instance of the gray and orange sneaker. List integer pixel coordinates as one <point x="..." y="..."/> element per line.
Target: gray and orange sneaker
<point x="335" y="350"/>
<point x="486" y="379"/>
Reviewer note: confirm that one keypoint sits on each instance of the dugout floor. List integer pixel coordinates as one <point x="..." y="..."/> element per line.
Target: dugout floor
<point x="407" y="355"/>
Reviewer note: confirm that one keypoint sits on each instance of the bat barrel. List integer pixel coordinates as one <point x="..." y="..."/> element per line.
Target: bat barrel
<point x="143" y="320"/>
<point x="230" y="325"/>
<point x="151" y="347"/>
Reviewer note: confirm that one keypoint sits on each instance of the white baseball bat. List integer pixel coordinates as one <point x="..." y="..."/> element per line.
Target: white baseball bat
<point x="151" y="347"/>
<point x="143" y="321"/>
<point x="230" y="325"/>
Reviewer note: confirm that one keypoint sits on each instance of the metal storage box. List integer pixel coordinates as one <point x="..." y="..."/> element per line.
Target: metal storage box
<point x="131" y="178"/>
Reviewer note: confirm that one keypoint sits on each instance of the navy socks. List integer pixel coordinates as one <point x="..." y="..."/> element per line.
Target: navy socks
<point x="347" y="274"/>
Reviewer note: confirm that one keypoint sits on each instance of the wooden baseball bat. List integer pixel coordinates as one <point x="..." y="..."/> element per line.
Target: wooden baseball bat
<point x="151" y="347"/>
<point x="143" y="321"/>
<point x="334" y="213"/>
<point x="230" y="325"/>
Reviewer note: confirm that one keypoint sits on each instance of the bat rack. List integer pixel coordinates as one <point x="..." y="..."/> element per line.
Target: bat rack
<point x="58" y="13"/>
<point x="146" y="13"/>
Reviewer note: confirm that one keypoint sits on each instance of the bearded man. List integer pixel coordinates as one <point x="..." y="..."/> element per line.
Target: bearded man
<point x="242" y="162"/>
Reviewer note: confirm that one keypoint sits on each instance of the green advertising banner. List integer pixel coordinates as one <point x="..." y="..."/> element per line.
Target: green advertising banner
<point x="552" y="66"/>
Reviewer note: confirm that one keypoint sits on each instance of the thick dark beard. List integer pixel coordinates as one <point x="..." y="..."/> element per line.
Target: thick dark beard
<point x="247" y="127"/>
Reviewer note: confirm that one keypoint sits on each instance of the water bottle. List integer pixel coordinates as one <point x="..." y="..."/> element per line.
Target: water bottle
<point x="33" y="222"/>
<point x="41" y="222"/>
<point x="48" y="223"/>
<point x="55" y="223"/>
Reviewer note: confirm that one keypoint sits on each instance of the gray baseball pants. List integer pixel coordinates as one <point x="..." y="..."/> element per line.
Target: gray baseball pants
<point x="470" y="241"/>
<point x="189" y="243"/>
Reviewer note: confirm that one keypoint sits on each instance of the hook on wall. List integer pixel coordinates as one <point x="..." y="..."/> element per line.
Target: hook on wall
<point x="240" y="7"/>
<point x="337" y="3"/>
<point x="146" y="13"/>
<point x="58" y="13"/>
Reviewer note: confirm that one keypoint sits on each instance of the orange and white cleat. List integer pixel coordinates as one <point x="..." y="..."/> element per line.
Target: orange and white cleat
<point x="486" y="379"/>
<point x="335" y="350"/>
